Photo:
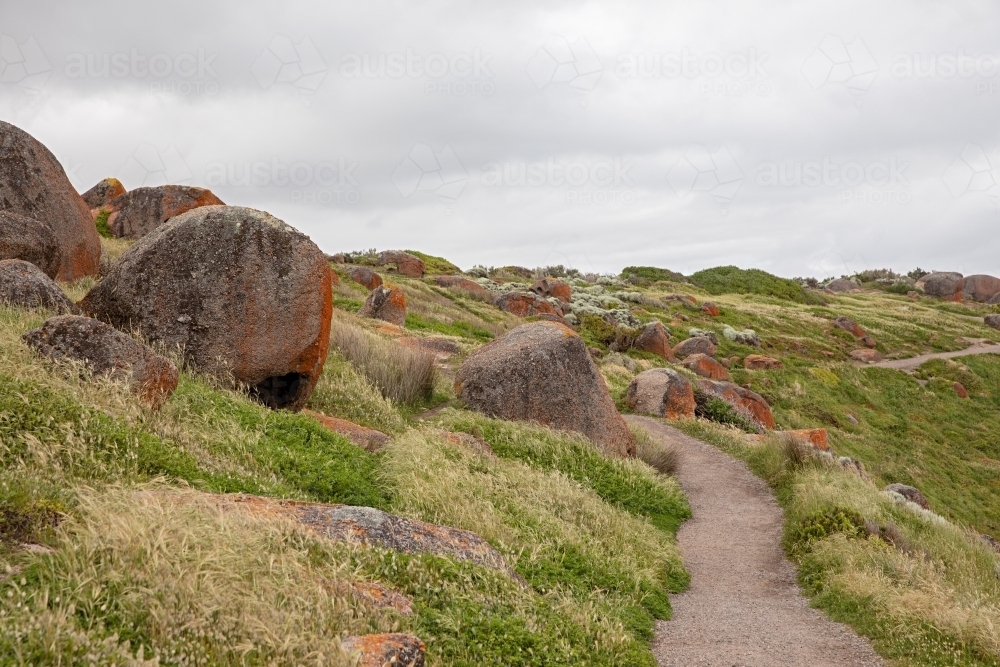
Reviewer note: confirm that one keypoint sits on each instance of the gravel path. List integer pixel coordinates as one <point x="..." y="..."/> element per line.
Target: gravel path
<point x="743" y="608"/>
<point x="911" y="363"/>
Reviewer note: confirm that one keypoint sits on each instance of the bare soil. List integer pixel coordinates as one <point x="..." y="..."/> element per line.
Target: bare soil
<point x="743" y="608"/>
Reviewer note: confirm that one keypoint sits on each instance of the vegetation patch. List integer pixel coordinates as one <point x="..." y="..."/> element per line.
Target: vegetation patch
<point x="734" y="280"/>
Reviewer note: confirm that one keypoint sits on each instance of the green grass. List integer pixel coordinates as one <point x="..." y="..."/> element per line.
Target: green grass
<point x="734" y="280"/>
<point x="460" y="328"/>
<point x="101" y="222"/>
<point x="436" y="265"/>
<point x="646" y="275"/>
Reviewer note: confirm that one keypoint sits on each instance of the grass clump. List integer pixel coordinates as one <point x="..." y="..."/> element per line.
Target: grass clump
<point x="436" y="265"/>
<point x="663" y="458"/>
<point x="734" y="280"/>
<point x="647" y="275"/>
<point x="400" y="373"/>
<point x="101" y="222"/>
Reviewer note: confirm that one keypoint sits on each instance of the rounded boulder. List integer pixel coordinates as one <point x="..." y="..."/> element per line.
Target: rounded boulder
<point x="655" y="339"/>
<point x="242" y="294"/>
<point x="23" y="284"/>
<point x="661" y="392"/>
<point x="33" y="183"/>
<point x="103" y="193"/>
<point x="542" y="372"/>
<point x="137" y="213"/>
<point x="386" y="303"/>
<point x="695" y="345"/>
<point x="946" y="285"/>
<point x="981" y="288"/>
<point x="29" y="239"/>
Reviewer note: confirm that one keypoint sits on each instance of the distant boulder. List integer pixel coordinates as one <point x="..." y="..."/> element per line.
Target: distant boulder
<point x="101" y="194"/>
<point x="995" y="300"/>
<point x="842" y="285"/>
<point x="710" y="309"/>
<point x="696" y="345"/>
<point x="406" y="264"/>
<point x="655" y="339"/>
<point x="748" y="403"/>
<point x="244" y="295"/>
<point x="981" y="288"/>
<point x="868" y="356"/>
<point x="33" y="183"/>
<point x="850" y="326"/>
<point x="911" y="493"/>
<point x="706" y="366"/>
<point x="29" y="239"/>
<point x="466" y="285"/>
<point x="759" y="362"/>
<point x="137" y="213"/>
<point x="992" y="321"/>
<point x="524" y="304"/>
<point x="385" y="303"/>
<point x="661" y="392"/>
<point x="553" y="287"/>
<point x="542" y="372"/>
<point x="23" y="284"/>
<point x="363" y="275"/>
<point x="107" y="353"/>
<point x="946" y="285"/>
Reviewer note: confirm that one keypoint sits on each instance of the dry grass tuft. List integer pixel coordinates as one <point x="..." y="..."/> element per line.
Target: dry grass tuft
<point x="401" y="374"/>
<point x="663" y="458"/>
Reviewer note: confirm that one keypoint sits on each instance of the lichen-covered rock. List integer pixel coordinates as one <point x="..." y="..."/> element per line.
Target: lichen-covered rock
<point x="980" y="288"/>
<point x="748" y="403"/>
<point x="524" y="304"/>
<point x="406" y="263"/>
<point x="553" y="287"/>
<point x="542" y="372"/>
<point x="466" y="285"/>
<point x="390" y="649"/>
<point x="995" y="299"/>
<point x="911" y="493"/>
<point x="706" y="367"/>
<point x="744" y="337"/>
<point x="107" y="352"/>
<point x="29" y="239"/>
<point x="710" y="309"/>
<point x="867" y="356"/>
<point x="33" y="183"/>
<point x="814" y="436"/>
<point x="661" y="392"/>
<point x="992" y="321"/>
<point x="137" y="213"/>
<point x="695" y="345"/>
<point x="385" y="303"/>
<point x="694" y="332"/>
<point x="757" y="362"/>
<point x="850" y="326"/>
<point x="946" y="285"/>
<point x="375" y="595"/>
<point x="23" y="284"/>
<point x="242" y="294"/>
<point x="373" y="527"/>
<point x="363" y="275"/>
<point x="655" y="339"/>
<point x="842" y="285"/>
<point x="960" y="390"/>
<point x="362" y="436"/>
<point x="103" y="193"/>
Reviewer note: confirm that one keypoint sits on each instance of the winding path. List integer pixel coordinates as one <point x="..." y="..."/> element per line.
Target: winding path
<point x="911" y="363"/>
<point x="743" y="608"/>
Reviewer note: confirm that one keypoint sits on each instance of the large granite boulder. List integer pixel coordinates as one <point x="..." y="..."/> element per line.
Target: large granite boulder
<point x="24" y="285"/>
<point x="242" y="294"/>
<point x="661" y="392"/>
<point x="980" y="288"/>
<point x="706" y="367"/>
<point x="107" y="352"/>
<point x="695" y="345"/>
<point x="406" y="264"/>
<point x="748" y="403"/>
<point x="542" y="372"/>
<point x="655" y="339"/>
<point x="992" y="321"/>
<point x="29" y="239"/>
<point x="364" y="275"/>
<point x="946" y="285"/>
<point x="103" y="193"/>
<point x="460" y="283"/>
<point x="385" y="303"/>
<point x="842" y="285"/>
<point x="33" y="183"/>
<point x="137" y="213"/>
<point x="553" y="287"/>
<point x="524" y="304"/>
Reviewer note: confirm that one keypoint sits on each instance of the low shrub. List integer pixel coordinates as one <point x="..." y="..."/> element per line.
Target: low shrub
<point x="647" y="275"/>
<point x="734" y="280"/>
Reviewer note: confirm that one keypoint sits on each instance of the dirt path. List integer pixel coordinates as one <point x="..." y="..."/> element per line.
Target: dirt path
<point x="911" y="363"/>
<point x="743" y="608"/>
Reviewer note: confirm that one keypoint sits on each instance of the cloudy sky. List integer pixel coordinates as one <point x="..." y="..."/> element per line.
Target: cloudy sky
<point x="804" y="138"/>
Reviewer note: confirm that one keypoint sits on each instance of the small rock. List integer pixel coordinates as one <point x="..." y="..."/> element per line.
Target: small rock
<point x="406" y="264"/>
<point x="757" y="362"/>
<point x="696" y="345"/>
<point x="23" y="284"/>
<point x="995" y="300"/>
<point x="992" y="321"/>
<point x="913" y="295"/>
<point x="706" y="366"/>
<point x="946" y="285"/>
<point x="991" y="542"/>
<point x="362" y="436"/>
<point x="851" y="418"/>
<point x="363" y="275"/>
<point x="850" y="326"/>
<point x="107" y="352"/>
<point x="137" y="213"/>
<point x="867" y="356"/>
<point x="376" y="595"/>
<point x="960" y="390"/>
<point x="391" y="649"/>
<point x="524" y="304"/>
<point x="661" y="392"/>
<point x="103" y="193"/>
<point x="853" y="465"/>
<point x="910" y="493"/>
<point x="469" y="441"/>
<point x="747" y="402"/>
<point x="745" y="337"/>
<point x="710" y="309"/>
<point x="385" y="303"/>
<point x="814" y="436"/>
<point x="655" y="339"/>
<point x="32" y="240"/>
<point x="868" y="341"/>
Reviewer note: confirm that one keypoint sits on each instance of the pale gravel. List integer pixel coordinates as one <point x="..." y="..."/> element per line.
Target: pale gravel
<point x="743" y="608"/>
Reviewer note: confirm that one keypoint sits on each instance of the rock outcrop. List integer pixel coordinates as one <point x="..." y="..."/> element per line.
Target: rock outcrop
<point x="363" y="275"/>
<point x="466" y="285"/>
<point x="107" y="352"/>
<point x="992" y="321"/>
<point x="242" y="294"/>
<point x="706" y="367"/>
<point x="524" y="305"/>
<point x="980" y="288"/>
<point x="29" y="239"/>
<point x="710" y="309"/>
<point x="695" y="345"/>
<point x="385" y="303"/>
<point x="946" y="285"/>
<point x="655" y="339"/>
<point x="542" y="372"/>
<point x="33" y="183"/>
<point x="406" y="264"/>
<point x="661" y="392"/>
<point x="23" y="284"/>
<point x="552" y="287"/>
<point x="867" y="356"/>
<point x="842" y="285"/>
<point x="103" y="193"/>
<point x="137" y="213"/>
<point x="759" y="362"/>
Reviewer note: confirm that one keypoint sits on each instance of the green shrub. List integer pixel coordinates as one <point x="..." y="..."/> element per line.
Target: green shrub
<point x="101" y="222"/>
<point x="717" y="410"/>
<point x="597" y="332"/>
<point x="734" y="280"/>
<point x="819" y="525"/>
<point x="436" y="265"/>
<point x="646" y="275"/>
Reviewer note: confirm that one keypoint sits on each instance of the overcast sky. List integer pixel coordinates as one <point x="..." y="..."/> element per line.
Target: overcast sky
<point x="804" y="138"/>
